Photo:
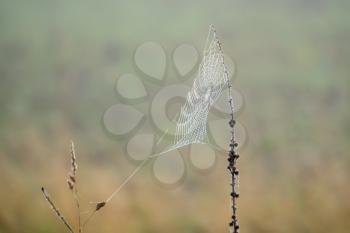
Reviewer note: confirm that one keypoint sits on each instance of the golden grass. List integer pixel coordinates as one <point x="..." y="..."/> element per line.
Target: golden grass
<point x="299" y="196"/>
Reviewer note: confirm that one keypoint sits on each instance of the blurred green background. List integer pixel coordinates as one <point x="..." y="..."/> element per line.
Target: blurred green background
<point x="58" y="64"/>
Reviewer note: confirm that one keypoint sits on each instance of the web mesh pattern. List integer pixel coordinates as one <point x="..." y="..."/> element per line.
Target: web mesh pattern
<point x="212" y="78"/>
<point x="191" y="125"/>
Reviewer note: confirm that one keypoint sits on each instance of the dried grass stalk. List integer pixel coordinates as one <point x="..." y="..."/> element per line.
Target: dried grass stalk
<point x="56" y="210"/>
<point x="72" y="180"/>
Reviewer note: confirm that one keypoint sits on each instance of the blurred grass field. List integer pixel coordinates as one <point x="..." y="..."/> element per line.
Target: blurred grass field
<point x="58" y="64"/>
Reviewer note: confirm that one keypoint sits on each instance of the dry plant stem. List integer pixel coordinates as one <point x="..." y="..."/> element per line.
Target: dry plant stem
<point x="78" y="209"/>
<point x="232" y="167"/>
<point x="56" y="210"/>
<point x="72" y="183"/>
<point x="232" y="155"/>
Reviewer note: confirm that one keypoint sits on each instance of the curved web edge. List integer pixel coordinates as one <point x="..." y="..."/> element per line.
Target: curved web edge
<point x="191" y="126"/>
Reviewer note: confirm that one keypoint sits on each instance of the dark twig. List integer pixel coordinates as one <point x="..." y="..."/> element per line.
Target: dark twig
<point x="56" y="210"/>
<point x="232" y="155"/>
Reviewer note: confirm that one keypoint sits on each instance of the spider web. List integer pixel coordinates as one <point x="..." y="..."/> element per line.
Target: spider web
<point x="191" y="125"/>
<point x="211" y="80"/>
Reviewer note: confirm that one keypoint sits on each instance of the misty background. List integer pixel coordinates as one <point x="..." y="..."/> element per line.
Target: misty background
<point x="59" y="61"/>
